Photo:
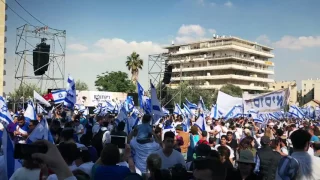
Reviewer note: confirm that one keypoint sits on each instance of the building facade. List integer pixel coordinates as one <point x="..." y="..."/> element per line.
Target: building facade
<point x="3" y="39"/>
<point x="310" y="90"/>
<point x="222" y="60"/>
<point x="293" y="99"/>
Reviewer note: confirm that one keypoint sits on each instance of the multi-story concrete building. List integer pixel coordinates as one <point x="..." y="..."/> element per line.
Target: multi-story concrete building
<point x="310" y="90"/>
<point x="222" y="60"/>
<point x="3" y="39"/>
<point x="293" y="99"/>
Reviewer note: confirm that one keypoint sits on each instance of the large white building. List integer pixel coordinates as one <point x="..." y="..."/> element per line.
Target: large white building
<point x="222" y="60"/>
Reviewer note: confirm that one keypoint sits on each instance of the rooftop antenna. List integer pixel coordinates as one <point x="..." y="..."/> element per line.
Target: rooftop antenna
<point x="172" y="43"/>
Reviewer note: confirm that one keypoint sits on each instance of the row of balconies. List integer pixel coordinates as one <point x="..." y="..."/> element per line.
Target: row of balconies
<point x="215" y="58"/>
<point x="228" y="46"/>
<point x="243" y="87"/>
<point x="228" y="76"/>
<point x="222" y="67"/>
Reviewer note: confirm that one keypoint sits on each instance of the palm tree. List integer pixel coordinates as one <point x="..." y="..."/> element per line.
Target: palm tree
<point x="134" y="63"/>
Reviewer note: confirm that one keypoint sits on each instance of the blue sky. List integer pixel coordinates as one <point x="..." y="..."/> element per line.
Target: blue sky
<point x="101" y="33"/>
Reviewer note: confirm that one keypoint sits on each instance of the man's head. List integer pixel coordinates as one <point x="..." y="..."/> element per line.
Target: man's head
<point x="300" y="140"/>
<point x="229" y="135"/>
<point x="39" y="116"/>
<point x="146" y="118"/>
<point x="208" y="169"/>
<point x="32" y="125"/>
<point x="110" y="155"/>
<point x="265" y="141"/>
<point x="21" y="120"/>
<point x="212" y="141"/>
<point x="311" y="131"/>
<point x="216" y="122"/>
<point x="168" y="140"/>
<point x="121" y="126"/>
<point x="223" y="140"/>
<point x="204" y="134"/>
<point x="154" y="162"/>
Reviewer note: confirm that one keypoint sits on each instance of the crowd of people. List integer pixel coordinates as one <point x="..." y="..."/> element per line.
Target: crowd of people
<point x="233" y="149"/>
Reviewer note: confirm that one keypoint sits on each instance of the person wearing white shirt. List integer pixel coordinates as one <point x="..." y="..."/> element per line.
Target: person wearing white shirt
<point x="224" y="143"/>
<point x="217" y="131"/>
<point x="224" y="129"/>
<point x="78" y="128"/>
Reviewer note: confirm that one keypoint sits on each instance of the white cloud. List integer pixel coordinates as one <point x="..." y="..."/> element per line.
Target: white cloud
<point x="77" y="47"/>
<point x="228" y="4"/>
<point x="297" y="43"/>
<point x="263" y="39"/>
<point x="191" y="30"/>
<point x="109" y="55"/>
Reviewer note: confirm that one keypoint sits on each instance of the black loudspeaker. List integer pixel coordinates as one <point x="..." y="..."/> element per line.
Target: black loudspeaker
<point x="49" y="90"/>
<point x="41" y="59"/>
<point x="167" y="74"/>
<point x="135" y="98"/>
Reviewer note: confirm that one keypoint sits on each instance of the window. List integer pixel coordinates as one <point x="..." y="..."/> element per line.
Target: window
<point x="282" y="87"/>
<point x="274" y="86"/>
<point x="4" y="83"/>
<point x="4" y="72"/>
<point x="4" y="61"/>
<point x="304" y="85"/>
<point x="304" y="90"/>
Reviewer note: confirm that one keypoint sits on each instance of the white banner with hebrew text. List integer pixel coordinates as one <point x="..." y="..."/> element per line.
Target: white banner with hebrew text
<point x="268" y="102"/>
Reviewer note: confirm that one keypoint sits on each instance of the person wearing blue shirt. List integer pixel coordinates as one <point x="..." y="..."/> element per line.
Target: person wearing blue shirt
<point x="21" y="132"/>
<point x="314" y="138"/>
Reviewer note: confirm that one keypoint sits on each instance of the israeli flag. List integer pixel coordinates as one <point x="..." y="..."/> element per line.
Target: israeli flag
<point x="40" y="109"/>
<point x="71" y="98"/>
<point x="296" y="112"/>
<point x="131" y="122"/>
<point x="30" y="113"/>
<point x="129" y="104"/>
<point x="5" y="116"/>
<point x="40" y="132"/>
<point x="59" y="96"/>
<point x="317" y="113"/>
<point x="201" y="105"/>
<point x="165" y="111"/>
<point x="177" y="110"/>
<point x="156" y="110"/>
<point x="191" y="105"/>
<point x="236" y="111"/>
<point x="97" y="110"/>
<point x="215" y="112"/>
<point x="187" y="111"/>
<point x="201" y="122"/>
<point x="256" y="116"/>
<point x="122" y="116"/>
<point x="140" y="95"/>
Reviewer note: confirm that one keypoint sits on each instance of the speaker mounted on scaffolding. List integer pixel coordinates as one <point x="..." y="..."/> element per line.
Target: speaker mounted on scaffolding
<point x="41" y="58"/>
<point x="167" y="74"/>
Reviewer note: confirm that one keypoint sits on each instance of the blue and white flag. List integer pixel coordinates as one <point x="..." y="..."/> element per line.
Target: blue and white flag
<point x="177" y="110"/>
<point x="131" y="122"/>
<point x="40" y="109"/>
<point x="201" y="105"/>
<point x="235" y="112"/>
<point x="71" y="98"/>
<point x="129" y="103"/>
<point x="191" y="105"/>
<point x="30" y="113"/>
<point x="296" y="112"/>
<point x="165" y="111"/>
<point x="201" y="122"/>
<point x="40" y="132"/>
<point x="156" y="110"/>
<point x="256" y="116"/>
<point x="5" y="116"/>
<point x="58" y="96"/>
<point x="123" y="114"/>
<point x="140" y="95"/>
<point x="317" y="113"/>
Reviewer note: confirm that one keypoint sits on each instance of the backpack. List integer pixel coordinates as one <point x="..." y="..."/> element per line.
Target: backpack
<point x="288" y="168"/>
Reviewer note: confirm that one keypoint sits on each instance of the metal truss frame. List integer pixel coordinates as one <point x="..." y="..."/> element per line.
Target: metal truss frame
<point x="156" y="71"/>
<point x="27" y="38"/>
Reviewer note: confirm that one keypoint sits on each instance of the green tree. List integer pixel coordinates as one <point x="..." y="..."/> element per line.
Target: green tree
<point x="114" y="82"/>
<point x="25" y="90"/>
<point x="193" y="92"/>
<point x="81" y="86"/>
<point x="134" y="63"/>
<point x="232" y="90"/>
